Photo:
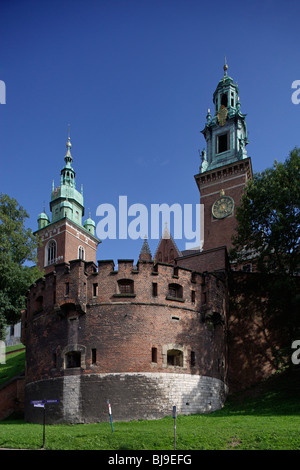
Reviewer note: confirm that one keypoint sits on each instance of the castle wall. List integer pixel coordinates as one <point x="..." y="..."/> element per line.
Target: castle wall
<point x="255" y="331"/>
<point x="136" y="395"/>
<point x="134" y="346"/>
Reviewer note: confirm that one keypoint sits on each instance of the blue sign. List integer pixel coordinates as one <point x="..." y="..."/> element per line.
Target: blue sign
<point x="42" y="402"/>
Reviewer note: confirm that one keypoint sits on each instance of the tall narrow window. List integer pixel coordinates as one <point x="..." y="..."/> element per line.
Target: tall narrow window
<point x="154" y="355"/>
<point x="80" y="253"/>
<point x="232" y="99"/>
<point x="51" y="252"/>
<point x="95" y="290"/>
<point x="193" y="296"/>
<point x="94" y="356"/>
<point x="223" y="143"/>
<point x="154" y="289"/>
<point x="193" y="359"/>
<point x="224" y="100"/>
<point x="67" y="288"/>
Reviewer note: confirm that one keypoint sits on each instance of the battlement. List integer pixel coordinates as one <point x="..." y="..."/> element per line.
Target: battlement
<point x="79" y="285"/>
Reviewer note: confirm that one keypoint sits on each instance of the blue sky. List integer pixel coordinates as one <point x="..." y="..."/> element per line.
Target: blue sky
<point x="134" y="79"/>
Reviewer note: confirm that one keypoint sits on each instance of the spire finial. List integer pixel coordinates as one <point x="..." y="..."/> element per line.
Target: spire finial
<point x="68" y="156"/>
<point x="225" y="66"/>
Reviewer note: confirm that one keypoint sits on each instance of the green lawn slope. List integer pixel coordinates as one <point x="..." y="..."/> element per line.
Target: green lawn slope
<point x="265" y="417"/>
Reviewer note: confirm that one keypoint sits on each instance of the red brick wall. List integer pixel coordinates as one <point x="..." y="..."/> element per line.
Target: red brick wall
<point x="210" y="260"/>
<point x="231" y="179"/>
<point x="69" y="237"/>
<point x="123" y="328"/>
<point x="253" y="334"/>
<point x="12" y="397"/>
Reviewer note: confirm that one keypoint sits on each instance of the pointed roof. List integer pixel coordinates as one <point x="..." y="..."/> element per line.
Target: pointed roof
<point x="167" y="249"/>
<point x="145" y="254"/>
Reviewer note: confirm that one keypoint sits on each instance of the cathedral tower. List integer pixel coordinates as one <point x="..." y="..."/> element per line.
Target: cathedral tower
<point x="65" y="238"/>
<point x="225" y="166"/>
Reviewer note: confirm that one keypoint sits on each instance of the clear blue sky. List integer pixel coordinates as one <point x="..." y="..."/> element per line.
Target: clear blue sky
<point x="134" y="79"/>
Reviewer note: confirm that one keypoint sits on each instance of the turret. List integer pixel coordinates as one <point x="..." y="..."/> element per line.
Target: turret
<point x="43" y="220"/>
<point x="226" y="132"/>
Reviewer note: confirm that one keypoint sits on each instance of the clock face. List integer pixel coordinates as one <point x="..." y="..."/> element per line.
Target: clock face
<point x="223" y="207"/>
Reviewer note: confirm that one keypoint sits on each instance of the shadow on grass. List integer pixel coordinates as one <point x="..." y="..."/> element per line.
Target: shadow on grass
<point x="278" y="395"/>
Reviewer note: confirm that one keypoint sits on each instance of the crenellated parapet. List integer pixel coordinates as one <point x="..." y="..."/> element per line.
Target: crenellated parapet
<point x="79" y="285"/>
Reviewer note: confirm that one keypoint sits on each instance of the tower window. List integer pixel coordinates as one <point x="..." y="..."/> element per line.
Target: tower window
<point x="224" y="100"/>
<point x="95" y="290"/>
<point x="67" y="288"/>
<point x="223" y="142"/>
<point x="73" y="359"/>
<point x="51" y="252"/>
<point x="94" y="355"/>
<point x="193" y="359"/>
<point x="154" y="355"/>
<point x="80" y="253"/>
<point x="175" y="290"/>
<point x="175" y="357"/>
<point x="154" y="289"/>
<point x="125" y="286"/>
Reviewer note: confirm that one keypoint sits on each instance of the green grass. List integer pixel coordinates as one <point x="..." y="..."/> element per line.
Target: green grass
<point x="14" y="365"/>
<point x="266" y="417"/>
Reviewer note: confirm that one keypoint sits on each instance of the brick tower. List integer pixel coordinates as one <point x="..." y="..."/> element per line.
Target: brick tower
<point x="225" y="167"/>
<point x="65" y="238"/>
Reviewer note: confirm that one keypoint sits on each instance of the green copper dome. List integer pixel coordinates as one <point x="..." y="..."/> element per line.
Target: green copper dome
<point x="66" y="201"/>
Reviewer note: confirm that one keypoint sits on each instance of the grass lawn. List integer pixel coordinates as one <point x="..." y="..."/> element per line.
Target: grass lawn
<point x="264" y="418"/>
<point x="14" y="363"/>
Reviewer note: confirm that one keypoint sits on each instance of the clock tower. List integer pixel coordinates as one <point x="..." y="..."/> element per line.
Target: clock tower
<point x="65" y="238"/>
<point x="225" y="167"/>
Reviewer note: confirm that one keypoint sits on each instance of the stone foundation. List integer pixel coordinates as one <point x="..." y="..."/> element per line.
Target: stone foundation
<point x="83" y="398"/>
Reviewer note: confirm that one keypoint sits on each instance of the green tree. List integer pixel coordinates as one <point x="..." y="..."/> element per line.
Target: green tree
<point x="269" y="218"/>
<point x="17" y="256"/>
<point x="268" y="235"/>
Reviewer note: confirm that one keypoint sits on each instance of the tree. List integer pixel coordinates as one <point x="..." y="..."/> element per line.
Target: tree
<point x="268" y="234"/>
<point x="17" y="252"/>
<point x="269" y="219"/>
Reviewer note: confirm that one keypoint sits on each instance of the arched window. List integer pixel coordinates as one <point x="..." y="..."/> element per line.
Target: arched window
<point x="80" y="253"/>
<point x="175" y="357"/>
<point x="51" y="252"/>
